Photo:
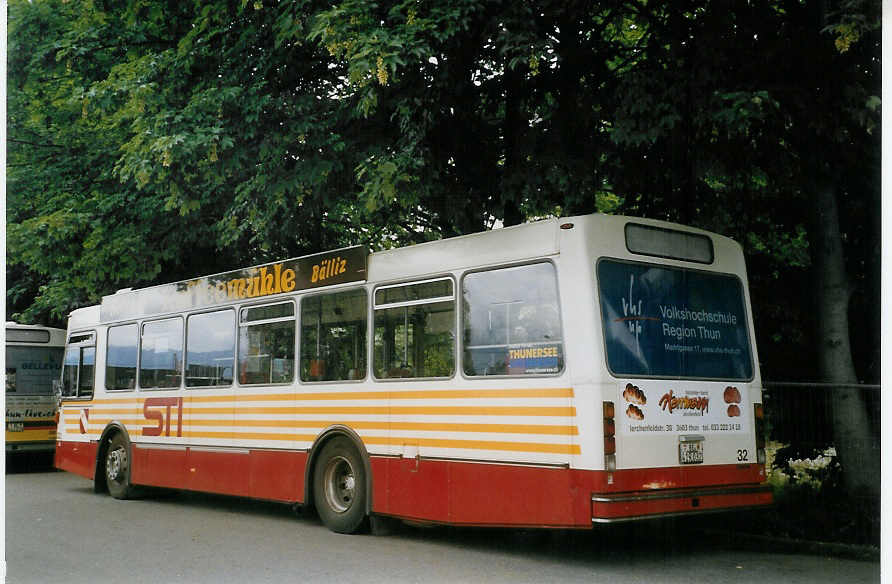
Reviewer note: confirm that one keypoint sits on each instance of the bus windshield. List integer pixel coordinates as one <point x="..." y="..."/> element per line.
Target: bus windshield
<point x="31" y="370"/>
<point x="662" y="321"/>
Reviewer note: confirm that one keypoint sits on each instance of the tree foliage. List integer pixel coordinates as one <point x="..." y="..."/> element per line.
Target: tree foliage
<point x="153" y="140"/>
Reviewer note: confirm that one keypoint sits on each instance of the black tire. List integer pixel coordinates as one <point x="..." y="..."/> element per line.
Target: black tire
<point x="116" y="468"/>
<point x="339" y="486"/>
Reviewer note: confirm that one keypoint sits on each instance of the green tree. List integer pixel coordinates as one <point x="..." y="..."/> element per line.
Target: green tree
<point x="760" y="120"/>
<point x="152" y="141"/>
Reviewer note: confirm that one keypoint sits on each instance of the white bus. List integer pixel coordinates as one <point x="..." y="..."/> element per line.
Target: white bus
<point x="33" y="363"/>
<point x="556" y="374"/>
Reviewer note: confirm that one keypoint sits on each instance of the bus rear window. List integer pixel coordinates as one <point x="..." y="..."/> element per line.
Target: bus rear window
<point x="671" y="322"/>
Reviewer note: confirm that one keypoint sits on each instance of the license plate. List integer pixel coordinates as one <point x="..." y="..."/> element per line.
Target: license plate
<point x="15" y="427"/>
<point x="690" y="451"/>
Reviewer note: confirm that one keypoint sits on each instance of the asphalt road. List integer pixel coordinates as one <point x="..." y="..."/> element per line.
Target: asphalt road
<point x="58" y="530"/>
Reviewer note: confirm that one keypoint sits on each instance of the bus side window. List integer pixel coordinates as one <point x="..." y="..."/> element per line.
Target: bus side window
<point x="88" y="368"/>
<point x="70" y="368"/>
<point x="333" y="336"/>
<point x="415" y="330"/>
<point x="511" y="322"/>
<point x="266" y="344"/>
<point x="79" y="366"/>
<point x="210" y="348"/>
<point x="120" y="360"/>
<point x="161" y="354"/>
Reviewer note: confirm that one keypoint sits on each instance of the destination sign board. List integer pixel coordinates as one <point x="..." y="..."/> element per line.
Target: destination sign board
<point x="304" y="273"/>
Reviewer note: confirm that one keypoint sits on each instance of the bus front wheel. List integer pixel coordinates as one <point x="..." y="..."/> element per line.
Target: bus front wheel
<point x="339" y="486"/>
<point x="117" y="468"/>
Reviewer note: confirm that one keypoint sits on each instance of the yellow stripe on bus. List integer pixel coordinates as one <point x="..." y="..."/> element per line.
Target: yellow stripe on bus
<point x="31" y="436"/>
<point x="250" y="436"/>
<point x="428" y="442"/>
<point x="557" y="392"/>
<point x="398" y="395"/>
<point x="478" y="445"/>
<point x="470" y="410"/>
<point x="526" y="411"/>
<point x="397" y="410"/>
<point x="383" y="440"/>
<point x="553" y="430"/>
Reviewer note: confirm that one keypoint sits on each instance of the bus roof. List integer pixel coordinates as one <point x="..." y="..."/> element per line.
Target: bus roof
<point x="355" y="264"/>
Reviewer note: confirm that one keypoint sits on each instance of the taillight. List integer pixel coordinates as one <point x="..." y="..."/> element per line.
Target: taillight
<point x="609" y="440"/>
<point x="759" y="416"/>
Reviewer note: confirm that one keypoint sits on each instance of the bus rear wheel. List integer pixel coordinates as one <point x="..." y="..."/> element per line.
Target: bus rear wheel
<point x="117" y="468"/>
<point x="339" y="486"/>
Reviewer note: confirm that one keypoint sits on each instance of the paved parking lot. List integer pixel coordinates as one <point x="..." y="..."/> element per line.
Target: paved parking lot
<point x="58" y="530"/>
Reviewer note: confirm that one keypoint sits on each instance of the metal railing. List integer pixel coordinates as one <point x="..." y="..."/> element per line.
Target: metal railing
<point x="800" y="414"/>
<point x="802" y="411"/>
<point x="819" y="384"/>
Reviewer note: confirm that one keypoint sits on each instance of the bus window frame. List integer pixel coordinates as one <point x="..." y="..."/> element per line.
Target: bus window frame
<point x="142" y="324"/>
<point x="238" y="327"/>
<point x="746" y="317"/>
<point x="235" y="330"/>
<point x="557" y="285"/>
<point x="138" y="354"/>
<point x="373" y="306"/>
<point x="367" y="374"/>
<point x="81" y="344"/>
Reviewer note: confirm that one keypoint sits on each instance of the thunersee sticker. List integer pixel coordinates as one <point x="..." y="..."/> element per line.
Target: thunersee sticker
<point x="661" y="321"/>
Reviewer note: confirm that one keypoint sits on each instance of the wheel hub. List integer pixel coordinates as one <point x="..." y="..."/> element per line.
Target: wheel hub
<point x="115" y="464"/>
<point x="340" y="484"/>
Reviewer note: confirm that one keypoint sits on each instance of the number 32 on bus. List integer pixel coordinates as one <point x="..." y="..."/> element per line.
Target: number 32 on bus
<point x="556" y="374"/>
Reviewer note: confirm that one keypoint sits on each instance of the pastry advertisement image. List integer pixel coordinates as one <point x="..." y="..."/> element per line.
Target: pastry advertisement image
<point x="681" y="407"/>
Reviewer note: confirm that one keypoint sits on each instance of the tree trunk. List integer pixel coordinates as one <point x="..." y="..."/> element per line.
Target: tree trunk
<point x="851" y="427"/>
<point x="510" y="183"/>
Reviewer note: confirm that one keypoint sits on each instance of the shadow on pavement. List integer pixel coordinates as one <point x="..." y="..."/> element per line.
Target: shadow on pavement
<point x="29" y="463"/>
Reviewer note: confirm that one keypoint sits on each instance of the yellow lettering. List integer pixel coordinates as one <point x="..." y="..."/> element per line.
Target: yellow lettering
<point x="266" y="282"/>
<point x="288" y="280"/>
<point x="343" y="267"/>
<point x="278" y="270"/>
<point x="315" y="275"/>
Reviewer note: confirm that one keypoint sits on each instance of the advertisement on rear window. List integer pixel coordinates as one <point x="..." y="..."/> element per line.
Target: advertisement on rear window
<point x="672" y="322"/>
<point x="658" y="406"/>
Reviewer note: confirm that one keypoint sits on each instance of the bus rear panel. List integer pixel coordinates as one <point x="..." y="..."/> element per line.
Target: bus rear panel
<point x="33" y="363"/>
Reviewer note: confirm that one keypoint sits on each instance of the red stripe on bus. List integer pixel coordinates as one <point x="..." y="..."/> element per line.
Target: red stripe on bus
<point x="449" y="491"/>
<point x="76" y="457"/>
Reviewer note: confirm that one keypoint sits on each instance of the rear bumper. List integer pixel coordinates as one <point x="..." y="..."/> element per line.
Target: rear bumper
<point x="629" y="506"/>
